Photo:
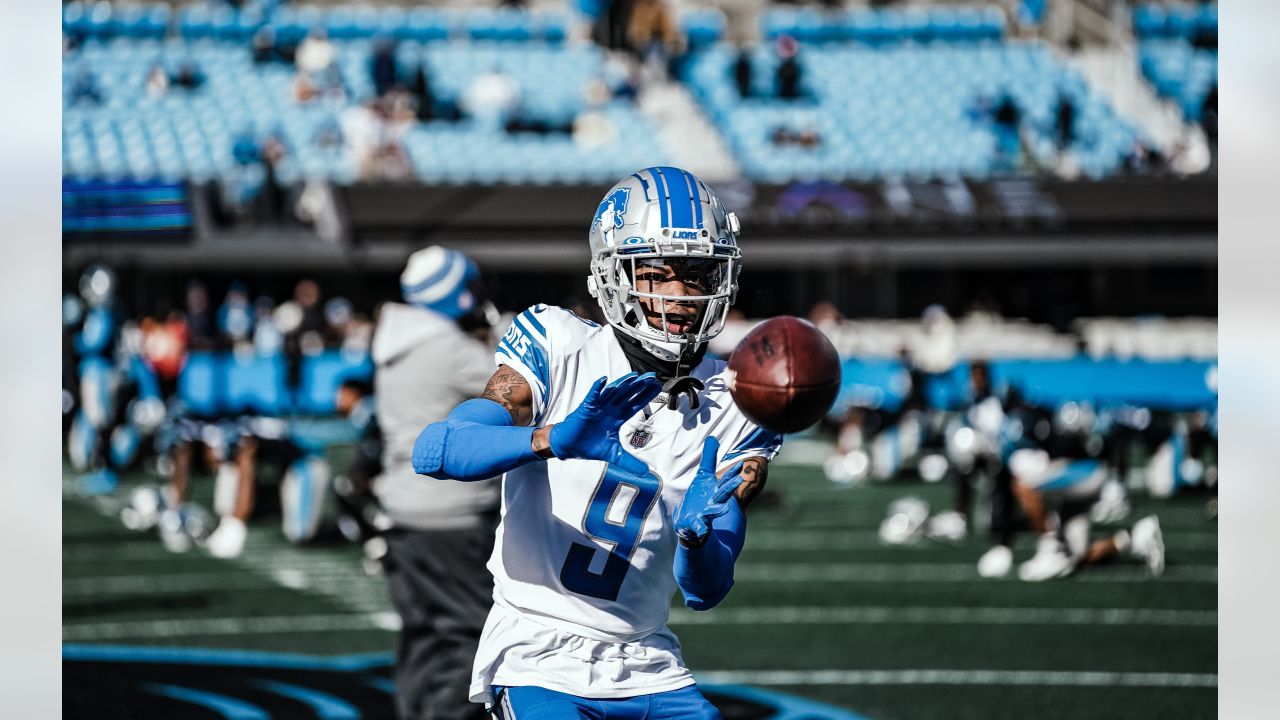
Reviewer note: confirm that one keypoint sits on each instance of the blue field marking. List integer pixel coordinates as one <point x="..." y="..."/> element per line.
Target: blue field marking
<point x="207" y="656"/>
<point x="386" y="685"/>
<point x="325" y="706"/>
<point x="789" y="707"/>
<point x="229" y="707"/>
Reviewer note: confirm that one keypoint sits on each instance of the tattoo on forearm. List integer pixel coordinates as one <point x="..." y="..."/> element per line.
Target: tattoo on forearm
<point x="755" y="472"/>
<point x="509" y="389"/>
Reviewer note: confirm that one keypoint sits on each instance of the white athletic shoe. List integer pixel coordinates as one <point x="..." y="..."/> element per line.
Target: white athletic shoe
<point x="1050" y="561"/>
<point x="228" y="540"/>
<point x="948" y="526"/>
<point x="1148" y="543"/>
<point x="904" y="523"/>
<point x="173" y="536"/>
<point x="996" y="562"/>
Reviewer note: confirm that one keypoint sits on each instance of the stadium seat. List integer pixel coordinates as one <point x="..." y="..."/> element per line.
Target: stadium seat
<point x="201" y="382"/>
<point x="321" y="376"/>
<point x="256" y="383"/>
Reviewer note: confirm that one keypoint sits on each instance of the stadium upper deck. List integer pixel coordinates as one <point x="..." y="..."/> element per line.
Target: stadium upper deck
<point x="882" y="93"/>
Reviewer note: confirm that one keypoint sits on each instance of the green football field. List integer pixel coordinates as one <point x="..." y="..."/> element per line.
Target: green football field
<point x="820" y="610"/>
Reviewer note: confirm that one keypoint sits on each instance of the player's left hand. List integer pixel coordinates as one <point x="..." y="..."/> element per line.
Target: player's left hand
<point x="707" y="498"/>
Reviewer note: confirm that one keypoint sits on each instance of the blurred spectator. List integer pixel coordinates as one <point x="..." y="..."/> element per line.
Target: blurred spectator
<point x="201" y="332"/>
<point x="1142" y="159"/>
<point x="1007" y="123"/>
<point x="264" y="46"/>
<point x="1065" y="122"/>
<point x="652" y="34"/>
<point x="245" y="147"/>
<point x="164" y="345"/>
<point x="1209" y="120"/>
<point x="783" y="136"/>
<point x="189" y="76"/>
<point x="422" y="95"/>
<point x="742" y="72"/>
<point x="267" y="338"/>
<point x="936" y="350"/>
<point x="492" y="95"/>
<point x="235" y="318"/>
<point x="316" y="60"/>
<point x="271" y="198"/>
<point x="85" y="88"/>
<point x="621" y="78"/>
<point x="788" y="74"/>
<point x="338" y="316"/>
<point x="316" y="54"/>
<point x="157" y="81"/>
<point x="612" y="20"/>
<point x="592" y="129"/>
<point x="382" y="68"/>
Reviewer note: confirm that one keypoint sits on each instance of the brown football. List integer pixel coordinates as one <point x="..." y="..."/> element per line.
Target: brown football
<point x="786" y="374"/>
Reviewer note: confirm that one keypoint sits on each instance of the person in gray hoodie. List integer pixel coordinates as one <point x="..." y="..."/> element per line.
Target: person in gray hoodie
<point x="431" y="353"/>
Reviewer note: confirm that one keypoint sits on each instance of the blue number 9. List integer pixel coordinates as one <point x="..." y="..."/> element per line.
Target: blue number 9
<point x="598" y="523"/>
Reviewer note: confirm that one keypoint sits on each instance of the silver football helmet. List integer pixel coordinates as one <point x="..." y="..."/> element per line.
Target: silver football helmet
<point x="664" y="216"/>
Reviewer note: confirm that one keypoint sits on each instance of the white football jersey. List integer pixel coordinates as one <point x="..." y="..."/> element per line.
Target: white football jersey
<point x="579" y="549"/>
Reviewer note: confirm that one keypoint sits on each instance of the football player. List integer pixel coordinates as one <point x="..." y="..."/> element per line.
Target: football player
<point x="1057" y="479"/>
<point x="627" y="466"/>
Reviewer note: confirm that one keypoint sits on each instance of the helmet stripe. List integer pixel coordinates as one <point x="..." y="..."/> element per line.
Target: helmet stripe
<point x="664" y="195"/>
<point x="678" y="192"/>
<point x="695" y="196"/>
<point x="644" y="184"/>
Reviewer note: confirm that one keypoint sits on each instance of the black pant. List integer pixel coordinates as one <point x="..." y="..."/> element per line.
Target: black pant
<point x="441" y="589"/>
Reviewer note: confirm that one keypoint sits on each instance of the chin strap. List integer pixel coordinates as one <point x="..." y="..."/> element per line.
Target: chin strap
<point x="683" y="383"/>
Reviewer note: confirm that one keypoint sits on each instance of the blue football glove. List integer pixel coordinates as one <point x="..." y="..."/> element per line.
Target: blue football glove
<point x="590" y="432"/>
<point x="707" y="498"/>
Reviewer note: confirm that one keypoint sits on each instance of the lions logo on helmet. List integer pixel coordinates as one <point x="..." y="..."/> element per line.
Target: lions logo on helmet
<point x="612" y="210"/>
<point x="663" y="214"/>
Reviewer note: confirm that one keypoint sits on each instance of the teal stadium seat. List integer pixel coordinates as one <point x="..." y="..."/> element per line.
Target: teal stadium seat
<point x="256" y="383"/>
<point x="201" y="382"/>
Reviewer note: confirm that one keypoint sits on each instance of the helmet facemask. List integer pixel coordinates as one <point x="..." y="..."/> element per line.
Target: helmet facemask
<point x="627" y="280"/>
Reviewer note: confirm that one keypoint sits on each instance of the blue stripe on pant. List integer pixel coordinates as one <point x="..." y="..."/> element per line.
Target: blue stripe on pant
<point x="535" y="703"/>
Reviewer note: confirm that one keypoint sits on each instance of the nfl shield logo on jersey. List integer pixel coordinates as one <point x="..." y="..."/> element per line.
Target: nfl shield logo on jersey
<point x="640" y="438"/>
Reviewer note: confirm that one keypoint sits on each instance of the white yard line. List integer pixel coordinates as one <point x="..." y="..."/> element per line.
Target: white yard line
<point x="266" y="556"/>
<point x="194" y="627"/>
<point x="385" y="620"/>
<point x="867" y="539"/>
<point x="161" y="584"/>
<point x="792" y="615"/>
<point x="944" y="572"/>
<point x="959" y="677"/>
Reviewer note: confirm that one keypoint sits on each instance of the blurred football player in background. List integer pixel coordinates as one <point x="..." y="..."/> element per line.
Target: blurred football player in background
<point x="119" y="402"/>
<point x="628" y="466"/>
<point x="360" y="515"/>
<point x="1057" y="479"/>
<point x="431" y="353"/>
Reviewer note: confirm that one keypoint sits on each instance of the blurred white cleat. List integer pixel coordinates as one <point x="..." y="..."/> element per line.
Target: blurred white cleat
<point x="1050" y="561"/>
<point x="904" y="523"/>
<point x="948" y="526"/>
<point x="228" y="540"/>
<point x="173" y="536"/>
<point x="996" y="562"/>
<point x="1148" y="543"/>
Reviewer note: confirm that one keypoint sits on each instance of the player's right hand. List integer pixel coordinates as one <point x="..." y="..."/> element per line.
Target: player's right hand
<point x="590" y="432"/>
